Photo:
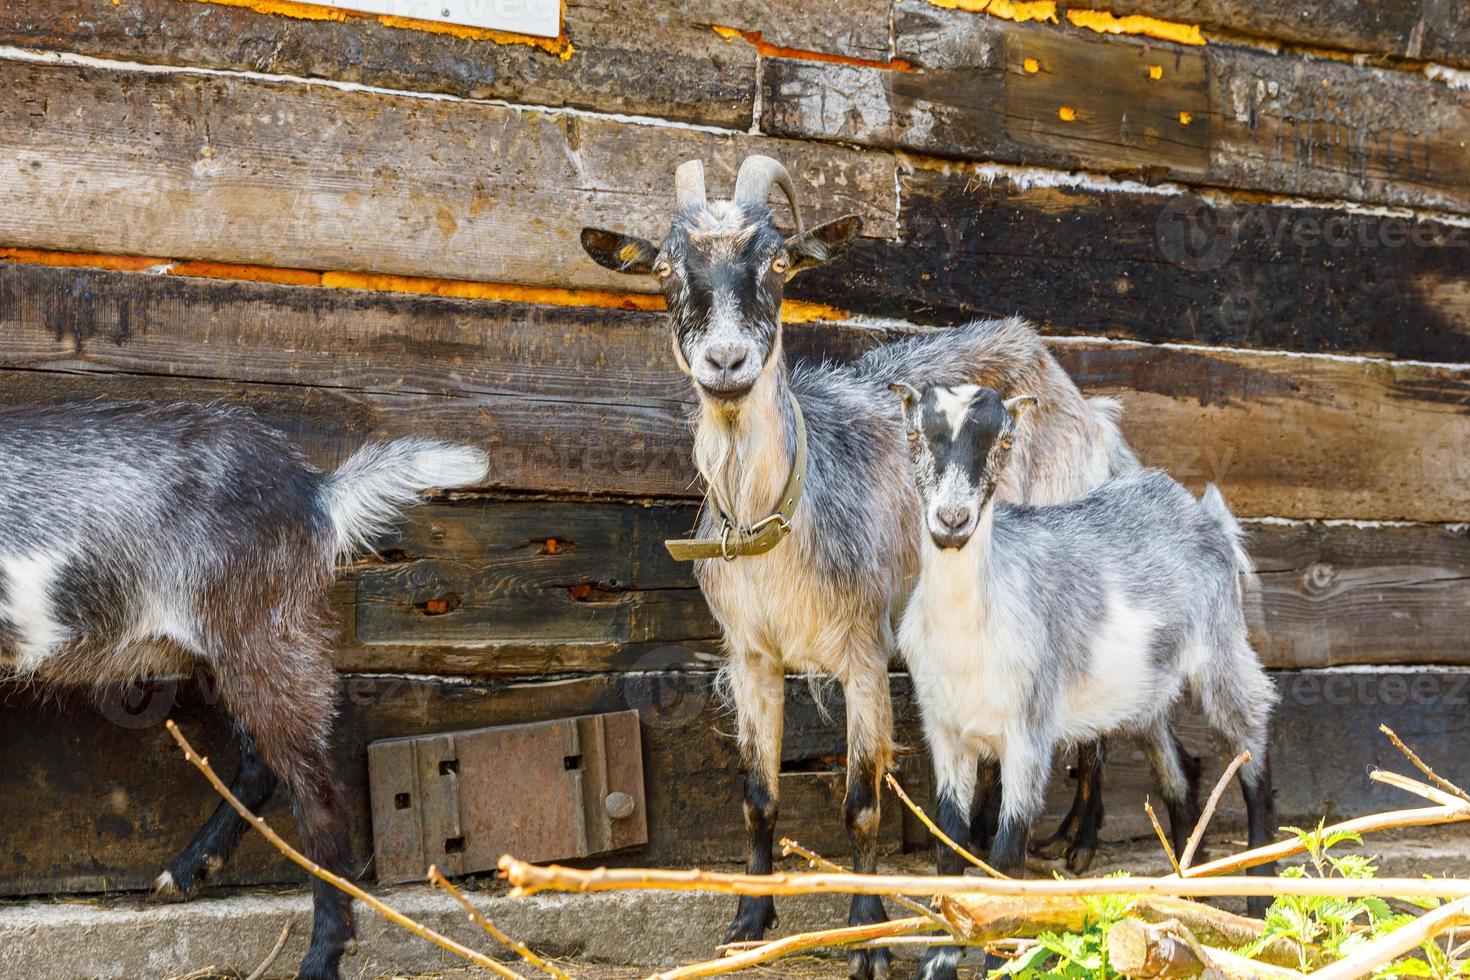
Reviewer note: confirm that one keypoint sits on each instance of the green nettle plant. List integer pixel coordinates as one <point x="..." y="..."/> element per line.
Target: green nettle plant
<point x="1074" y="955"/>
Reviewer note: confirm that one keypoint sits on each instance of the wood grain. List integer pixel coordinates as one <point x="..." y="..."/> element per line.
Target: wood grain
<point x="605" y="411"/>
<point x="1431" y="30"/>
<point x="279" y="174"/>
<point x="117" y="800"/>
<point x="621" y="62"/>
<point x="1161" y="267"/>
<point x="1269" y="122"/>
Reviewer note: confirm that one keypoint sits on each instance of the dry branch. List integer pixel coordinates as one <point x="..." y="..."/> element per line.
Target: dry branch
<point x="981" y="918"/>
<point x="790" y="847"/>
<point x="529" y="879"/>
<point x="934" y="829"/>
<point x="1408" y="785"/>
<point x="275" y="952"/>
<point x="1198" y="835"/>
<point x="1402" y="940"/>
<point x="1148" y="808"/>
<point x="795" y="944"/>
<point x="1423" y="767"/>
<point x="1151" y="951"/>
<point x="301" y="860"/>
<point x="491" y="929"/>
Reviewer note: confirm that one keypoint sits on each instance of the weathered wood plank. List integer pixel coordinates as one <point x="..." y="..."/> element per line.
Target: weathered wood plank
<point x="621" y="62"/>
<point x="279" y="174"/>
<point x="1161" y="267"/>
<point x="1432" y="30"/>
<point x="1329" y="595"/>
<point x="1020" y="93"/>
<point x="1282" y="436"/>
<point x="117" y="801"/>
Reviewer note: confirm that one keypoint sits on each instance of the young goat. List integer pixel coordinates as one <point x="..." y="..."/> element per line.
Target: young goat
<point x="825" y="598"/>
<point x="1032" y="627"/>
<point x="139" y="541"/>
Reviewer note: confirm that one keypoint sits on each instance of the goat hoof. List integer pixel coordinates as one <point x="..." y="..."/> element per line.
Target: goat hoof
<point x="1079" y="858"/>
<point x="1054" y="847"/>
<point x="752" y="919"/>
<point x="168" y="887"/>
<point x="940" y="963"/>
<point x="869" y="964"/>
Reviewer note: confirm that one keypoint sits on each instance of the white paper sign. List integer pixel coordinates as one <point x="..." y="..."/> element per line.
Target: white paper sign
<point x="541" y="18"/>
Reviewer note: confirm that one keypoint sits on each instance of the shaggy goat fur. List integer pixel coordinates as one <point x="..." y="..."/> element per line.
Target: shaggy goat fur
<point x="141" y="541"/>
<point x="825" y="600"/>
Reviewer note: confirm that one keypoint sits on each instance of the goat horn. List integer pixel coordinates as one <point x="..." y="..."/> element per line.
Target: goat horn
<point x="753" y="184"/>
<point x="689" y="184"/>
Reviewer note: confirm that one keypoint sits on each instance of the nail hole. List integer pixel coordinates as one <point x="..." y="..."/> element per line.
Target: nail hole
<point x="572" y="762"/>
<point x="449" y="767"/>
<point x="402" y="801"/>
<point x="454" y="845"/>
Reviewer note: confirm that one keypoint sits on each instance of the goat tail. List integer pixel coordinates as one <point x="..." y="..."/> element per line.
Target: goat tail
<point x="1214" y="505"/>
<point x="1120" y="456"/>
<point x="370" y="490"/>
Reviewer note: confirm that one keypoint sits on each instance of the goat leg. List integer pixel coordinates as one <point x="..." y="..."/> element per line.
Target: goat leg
<point x="759" y="687"/>
<point x="955" y="773"/>
<point x="869" y="753"/>
<point x="253" y="785"/>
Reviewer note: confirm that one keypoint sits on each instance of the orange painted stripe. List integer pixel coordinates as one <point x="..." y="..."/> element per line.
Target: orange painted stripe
<point x="300" y="10"/>
<point x="793" y="311"/>
<point x="768" y="50"/>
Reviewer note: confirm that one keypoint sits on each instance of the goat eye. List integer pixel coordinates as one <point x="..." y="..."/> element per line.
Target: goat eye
<point x="780" y="263"/>
<point x="913" y="435"/>
<point x="662" y="269"/>
<point x="1006" y="443"/>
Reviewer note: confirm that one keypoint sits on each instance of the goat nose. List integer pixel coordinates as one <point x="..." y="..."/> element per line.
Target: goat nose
<point x="725" y="357"/>
<point x="952" y="517"/>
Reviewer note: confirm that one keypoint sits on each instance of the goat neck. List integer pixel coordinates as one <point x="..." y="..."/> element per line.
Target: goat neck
<point x="744" y="451"/>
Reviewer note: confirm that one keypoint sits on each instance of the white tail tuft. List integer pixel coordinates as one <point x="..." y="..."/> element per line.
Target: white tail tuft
<point x="370" y="490"/>
<point x="1121" y="458"/>
<point x="1214" y="504"/>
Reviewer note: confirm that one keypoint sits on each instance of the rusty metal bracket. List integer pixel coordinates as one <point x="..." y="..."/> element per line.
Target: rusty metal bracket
<point x="544" y="791"/>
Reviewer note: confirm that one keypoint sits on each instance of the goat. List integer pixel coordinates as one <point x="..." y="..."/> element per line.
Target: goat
<point x="825" y="594"/>
<point x="141" y="541"/>
<point x="1031" y="627"/>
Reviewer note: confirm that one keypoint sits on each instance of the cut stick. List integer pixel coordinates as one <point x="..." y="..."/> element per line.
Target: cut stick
<point x="1423" y="767"/>
<point x="790" y="847"/>
<point x="1198" y="835"/>
<point x="1392" y="820"/>
<point x="437" y="879"/>
<point x="796" y="944"/>
<point x="528" y="879"/>
<point x="1406" y="938"/>
<point x="1408" y="785"/>
<point x="1148" y="808"/>
<point x="302" y="861"/>
<point x="1155" y="950"/>
<point x="934" y="829"/>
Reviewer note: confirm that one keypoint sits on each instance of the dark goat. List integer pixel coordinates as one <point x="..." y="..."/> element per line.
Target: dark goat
<point x="141" y="541"/>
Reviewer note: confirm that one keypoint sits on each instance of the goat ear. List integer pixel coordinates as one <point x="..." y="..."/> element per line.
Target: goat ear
<point x="619" y="252"/>
<point x="821" y="244"/>
<point x="1019" y="406"/>
<point x="905" y="392"/>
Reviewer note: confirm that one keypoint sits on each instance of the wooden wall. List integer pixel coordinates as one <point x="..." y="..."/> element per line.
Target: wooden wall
<point x="1260" y="243"/>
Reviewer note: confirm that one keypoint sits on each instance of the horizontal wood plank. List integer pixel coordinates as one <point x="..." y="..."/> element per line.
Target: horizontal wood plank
<point x="1161" y="267"/>
<point x="1222" y="116"/>
<point x="608" y="598"/>
<point x="117" y="800"/>
<point x="620" y="64"/>
<point x="605" y="410"/>
<point x="1429" y="30"/>
<point x="280" y="174"/>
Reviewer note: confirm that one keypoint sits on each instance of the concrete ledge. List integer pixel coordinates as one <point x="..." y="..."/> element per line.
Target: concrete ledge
<point x="137" y="941"/>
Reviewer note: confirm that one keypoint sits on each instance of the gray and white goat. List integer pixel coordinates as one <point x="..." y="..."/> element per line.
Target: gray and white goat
<point x="1034" y="627"/>
<point x="141" y="541"/>
<point x="826" y="599"/>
